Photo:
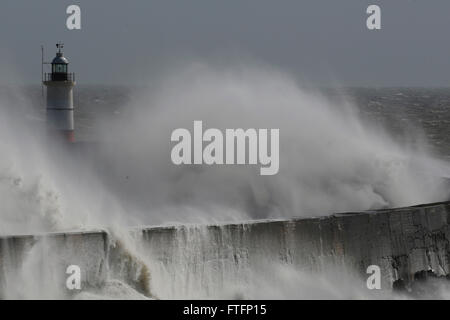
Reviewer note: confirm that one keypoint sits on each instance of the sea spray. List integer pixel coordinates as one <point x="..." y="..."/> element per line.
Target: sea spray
<point x="127" y="264"/>
<point x="35" y="267"/>
<point x="330" y="159"/>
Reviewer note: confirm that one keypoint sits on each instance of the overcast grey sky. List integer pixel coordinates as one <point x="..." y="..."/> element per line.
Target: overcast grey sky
<point x="321" y="41"/>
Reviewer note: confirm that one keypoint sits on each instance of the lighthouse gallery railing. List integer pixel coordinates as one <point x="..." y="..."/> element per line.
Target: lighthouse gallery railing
<point x="59" y="76"/>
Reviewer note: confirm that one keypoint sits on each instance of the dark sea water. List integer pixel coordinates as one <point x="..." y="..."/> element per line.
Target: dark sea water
<point x="407" y="110"/>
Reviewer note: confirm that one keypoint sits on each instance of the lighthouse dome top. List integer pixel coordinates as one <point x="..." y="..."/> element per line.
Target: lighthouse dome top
<point x="60" y="59"/>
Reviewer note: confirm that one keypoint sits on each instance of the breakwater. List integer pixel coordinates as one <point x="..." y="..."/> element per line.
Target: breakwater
<point x="204" y="261"/>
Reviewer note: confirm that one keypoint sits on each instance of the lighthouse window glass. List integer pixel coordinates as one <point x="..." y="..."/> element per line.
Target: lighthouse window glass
<point x="60" y="68"/>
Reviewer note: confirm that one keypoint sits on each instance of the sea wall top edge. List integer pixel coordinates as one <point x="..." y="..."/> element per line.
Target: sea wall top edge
<point x="234" y="223"/>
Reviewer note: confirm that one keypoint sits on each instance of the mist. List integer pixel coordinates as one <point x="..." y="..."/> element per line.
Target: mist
<point x="330" y="159"/>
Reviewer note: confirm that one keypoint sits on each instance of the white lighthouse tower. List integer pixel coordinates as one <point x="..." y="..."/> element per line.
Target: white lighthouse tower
<point x="60" y="85"/>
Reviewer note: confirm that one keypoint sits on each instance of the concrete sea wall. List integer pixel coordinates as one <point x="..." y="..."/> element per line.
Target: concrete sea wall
<point x="202" y="261"/>
<point x="35" y="266"/>
<point x="403" y="242"/>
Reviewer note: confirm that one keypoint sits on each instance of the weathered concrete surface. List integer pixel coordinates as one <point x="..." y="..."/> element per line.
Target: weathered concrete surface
<point x="403" y="242"/>
<point x="35" y="266"/>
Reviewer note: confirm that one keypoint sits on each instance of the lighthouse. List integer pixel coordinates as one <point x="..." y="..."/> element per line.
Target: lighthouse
<point x="60" y="85"/>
